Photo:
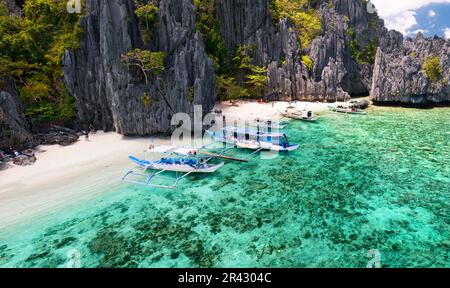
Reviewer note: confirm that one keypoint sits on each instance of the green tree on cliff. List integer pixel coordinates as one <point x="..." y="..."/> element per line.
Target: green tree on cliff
<point x="150" y="63"/>
<point x="433" y="68"/>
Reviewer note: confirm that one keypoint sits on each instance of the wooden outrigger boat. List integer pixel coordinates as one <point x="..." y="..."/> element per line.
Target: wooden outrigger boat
<point x="174" y="159"/>
<point x="261" y="122"/>
<point x="347" y="110"/>
<point x="302" y="115"/>
<point x="267" y="123"/>
<point x="254" y="140"/>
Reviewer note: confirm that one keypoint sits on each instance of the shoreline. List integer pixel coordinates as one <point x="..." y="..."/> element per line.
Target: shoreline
<point x="63" y="175"/>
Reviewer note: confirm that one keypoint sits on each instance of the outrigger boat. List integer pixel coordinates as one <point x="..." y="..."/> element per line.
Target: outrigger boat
<point x="347" y="110"/>
<point x="257" y="140"/>
<point x="174" y="159"/>
<point x="265" y="123"/>
<point x="302" y="115"/>
<point x="260" y="122"/>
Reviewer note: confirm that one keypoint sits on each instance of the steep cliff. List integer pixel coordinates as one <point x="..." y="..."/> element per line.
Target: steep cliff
<point x="15" y="6"/>
<point x="337" y="72"/>
<point x="400" y="74"/>
<point x="352" y="54"/>
<point x="110" y="95"/>
<point x="13" y="126"/>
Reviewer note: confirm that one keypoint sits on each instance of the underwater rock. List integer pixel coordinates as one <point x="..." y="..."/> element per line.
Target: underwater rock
<point x="115" y="249"/>
<point x="38" y="256"/>
<point x="445" y="243"/>
<point x="64" y="242"/>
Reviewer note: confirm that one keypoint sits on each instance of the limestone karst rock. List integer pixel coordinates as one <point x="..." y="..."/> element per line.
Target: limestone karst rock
<point x="399" y="75"/>
<point x="109" y="94"/>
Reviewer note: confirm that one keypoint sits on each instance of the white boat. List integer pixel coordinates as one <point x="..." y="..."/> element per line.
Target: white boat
<point x="261" y="122"/>
<point x="178" y="165"/>
<point x="253" y="139"/>
<point x="347" y="110"/>
<point x="172" y="159"/>
<point x="302" y="115"/>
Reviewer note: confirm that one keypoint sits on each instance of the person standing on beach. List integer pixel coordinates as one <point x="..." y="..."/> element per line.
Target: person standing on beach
<point x="92" y="129"/>
<point x="86" y="136"/>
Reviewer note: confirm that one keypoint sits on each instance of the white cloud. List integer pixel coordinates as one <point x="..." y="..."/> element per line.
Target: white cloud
<point x="447" y="32"/>
<point x="400" y="14"/>
<point x="419" y="30"/>
<point x="431" y="13"/>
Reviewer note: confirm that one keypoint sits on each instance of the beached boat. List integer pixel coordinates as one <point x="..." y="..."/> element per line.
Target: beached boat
<point x="260" y="122"/>
<point x="184" y="164"/>
<point x="173" y="159"/>
<point x="253" y="139"/>
<point x="347" y="110"/>
<point x="302" y="115"/>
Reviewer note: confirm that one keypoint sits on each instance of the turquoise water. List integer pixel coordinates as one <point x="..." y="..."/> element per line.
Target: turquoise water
<point x="357" y="184"/>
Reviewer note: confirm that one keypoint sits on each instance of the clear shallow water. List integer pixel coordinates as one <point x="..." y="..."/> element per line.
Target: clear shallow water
<point x="357" y="183"/>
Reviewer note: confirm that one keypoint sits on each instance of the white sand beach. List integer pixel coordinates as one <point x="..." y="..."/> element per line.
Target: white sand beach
<point x="62" y="175"/>
<point x="252" y="109"/>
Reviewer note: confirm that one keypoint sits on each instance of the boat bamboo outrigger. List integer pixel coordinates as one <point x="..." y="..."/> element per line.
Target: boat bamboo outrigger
<point x="173" y="159"/>
<point x="257" y="140"/>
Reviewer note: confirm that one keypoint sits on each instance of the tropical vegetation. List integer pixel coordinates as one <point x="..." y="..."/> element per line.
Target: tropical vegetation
<point x="31" y="50"/>
<point x="433" y="68"/>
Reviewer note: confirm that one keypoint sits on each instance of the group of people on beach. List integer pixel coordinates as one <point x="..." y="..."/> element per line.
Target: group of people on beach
<point x="12" y="152"/>
<point x="9" y="153"/>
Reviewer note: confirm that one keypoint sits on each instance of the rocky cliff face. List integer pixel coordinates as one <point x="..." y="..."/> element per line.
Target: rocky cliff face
<point x="13" y="126"/>
<point x="399" y="76"/>
<point x="109" y="94"/>
<point x="336" y="74"/>
<point x="15" y="6"/>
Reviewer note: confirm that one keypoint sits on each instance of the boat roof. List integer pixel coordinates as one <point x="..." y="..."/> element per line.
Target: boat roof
<point x="253" y="132"/>
<point x="167" y="149"/>
<point x="253" y="119"/>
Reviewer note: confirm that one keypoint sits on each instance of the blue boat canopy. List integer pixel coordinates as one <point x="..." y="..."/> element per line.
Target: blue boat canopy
<point x="252" y="132"/>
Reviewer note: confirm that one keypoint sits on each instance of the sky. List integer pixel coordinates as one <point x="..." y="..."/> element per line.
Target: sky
<point x="431" y="17"/>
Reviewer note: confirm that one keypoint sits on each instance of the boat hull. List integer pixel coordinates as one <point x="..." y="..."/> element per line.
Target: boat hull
<point x="203" y="168"/>
<point x="344" y="111"/>
<point x="186" y="168"/>
<point x="299" y="117"/>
